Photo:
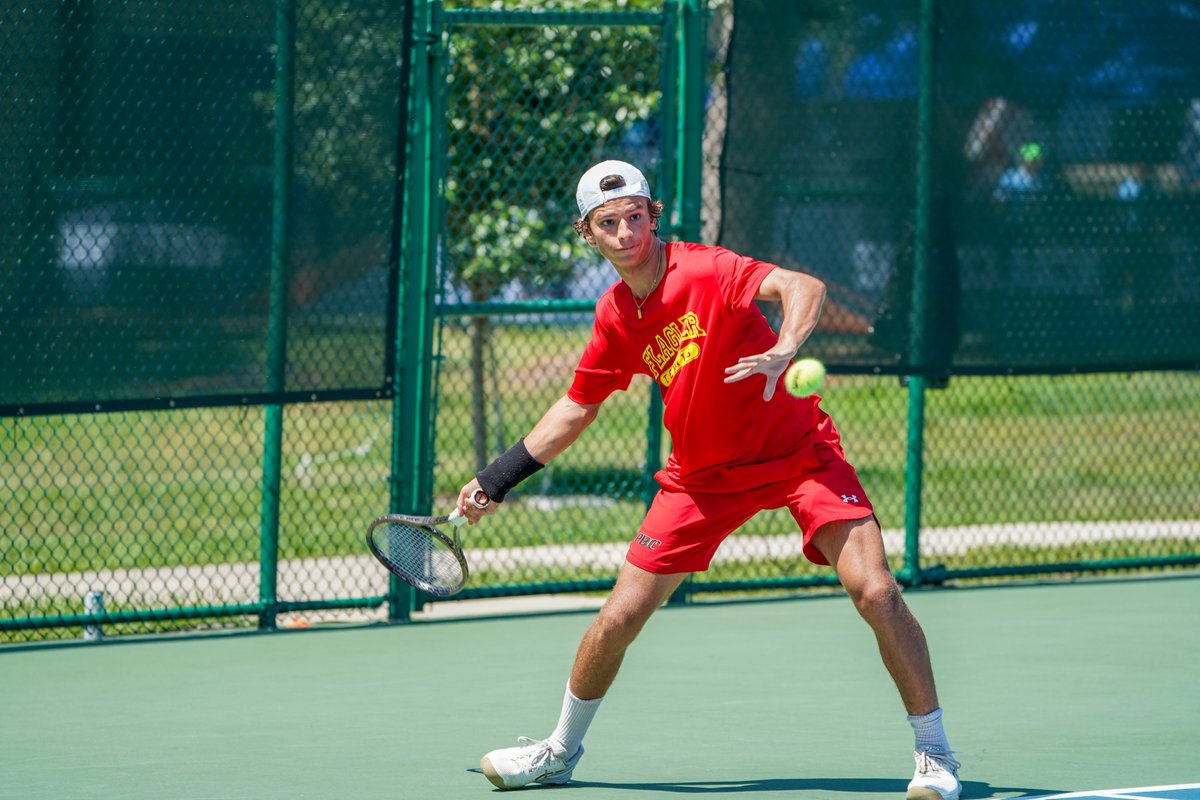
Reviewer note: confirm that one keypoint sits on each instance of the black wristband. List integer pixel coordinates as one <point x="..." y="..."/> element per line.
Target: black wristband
<point x="500" y="476"/>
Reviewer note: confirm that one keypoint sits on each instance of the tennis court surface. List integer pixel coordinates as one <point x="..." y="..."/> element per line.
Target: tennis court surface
<point x="1050" y="689"/>
<point x="1181" y="792"/>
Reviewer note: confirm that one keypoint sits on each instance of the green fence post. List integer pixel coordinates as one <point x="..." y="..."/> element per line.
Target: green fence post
<point x="654" y="442"/>
<point x="669" y="109"/>
<point x="692" y="54"/>
<point x="910" y="574"/>
<point x="688" y="145"/>
<point x="412" y="462"/>
<point x="285" y="38"/>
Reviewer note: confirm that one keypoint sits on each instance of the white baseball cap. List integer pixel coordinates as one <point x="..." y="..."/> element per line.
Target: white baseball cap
<point x="590" y="196"/>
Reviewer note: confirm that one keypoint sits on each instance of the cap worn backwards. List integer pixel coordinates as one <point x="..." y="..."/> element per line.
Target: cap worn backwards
<point x="628" y="181"/>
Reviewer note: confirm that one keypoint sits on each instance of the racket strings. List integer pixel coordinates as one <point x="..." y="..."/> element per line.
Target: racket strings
<point x="418" y="554"/>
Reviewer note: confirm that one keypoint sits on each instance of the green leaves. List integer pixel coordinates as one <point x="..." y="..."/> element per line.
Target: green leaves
<point x="529" y="108"/>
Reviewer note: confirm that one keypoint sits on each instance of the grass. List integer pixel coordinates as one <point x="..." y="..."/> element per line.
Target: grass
<point x="1032" y="449"/>
<point x="184" y="487"/>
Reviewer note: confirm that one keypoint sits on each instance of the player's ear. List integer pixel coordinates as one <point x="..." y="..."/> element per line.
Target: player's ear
<point x="584" y="229"/>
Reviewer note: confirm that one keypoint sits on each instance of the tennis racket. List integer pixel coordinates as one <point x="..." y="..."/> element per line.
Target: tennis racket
<point x="417" y="552"/>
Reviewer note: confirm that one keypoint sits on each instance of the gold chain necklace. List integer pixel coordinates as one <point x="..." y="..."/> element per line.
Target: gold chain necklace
<point x="657" y="277"/>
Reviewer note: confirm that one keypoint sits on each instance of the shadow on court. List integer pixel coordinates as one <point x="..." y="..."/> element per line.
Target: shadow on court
<point x="860" y="786"/>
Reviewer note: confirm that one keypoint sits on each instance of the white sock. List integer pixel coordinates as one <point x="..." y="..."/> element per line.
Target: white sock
<point x="931" y="737"/>
<point x="573" y="722"/>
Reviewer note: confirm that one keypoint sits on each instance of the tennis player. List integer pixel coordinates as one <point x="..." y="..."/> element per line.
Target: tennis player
<point x="685" y="315"/>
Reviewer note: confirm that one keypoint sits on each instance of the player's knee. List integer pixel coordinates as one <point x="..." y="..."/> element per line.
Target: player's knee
<point x="877" y="597"/>
<point x="620" y="623"/>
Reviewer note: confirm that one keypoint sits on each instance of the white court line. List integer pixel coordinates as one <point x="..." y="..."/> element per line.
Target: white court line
<point x="1122" y="794"/>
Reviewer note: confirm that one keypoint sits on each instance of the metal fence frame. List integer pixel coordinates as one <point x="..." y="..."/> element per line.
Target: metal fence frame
<point x="416" y="311"/>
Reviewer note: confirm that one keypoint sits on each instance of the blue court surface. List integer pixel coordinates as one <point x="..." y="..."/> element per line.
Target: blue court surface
<point x="1186" y="791"/>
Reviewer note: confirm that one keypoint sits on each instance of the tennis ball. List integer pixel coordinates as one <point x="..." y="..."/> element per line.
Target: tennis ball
<point x="804" y="377"/>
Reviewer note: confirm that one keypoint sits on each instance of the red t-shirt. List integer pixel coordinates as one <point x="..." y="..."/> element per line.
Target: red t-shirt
<point x="699" y="320"/>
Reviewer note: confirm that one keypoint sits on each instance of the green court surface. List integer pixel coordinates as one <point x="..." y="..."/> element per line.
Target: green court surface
<point x="1051" y="688"/>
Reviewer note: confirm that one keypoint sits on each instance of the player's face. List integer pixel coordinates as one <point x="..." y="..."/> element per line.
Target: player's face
<point x="624" y="232"/>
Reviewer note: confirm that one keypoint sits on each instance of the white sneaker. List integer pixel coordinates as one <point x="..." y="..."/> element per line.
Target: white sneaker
<point x="936" y="777"/>
<point x="531" y="761"/>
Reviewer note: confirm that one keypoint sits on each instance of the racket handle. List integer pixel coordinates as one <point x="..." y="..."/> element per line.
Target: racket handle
<point x="479" y="500"/>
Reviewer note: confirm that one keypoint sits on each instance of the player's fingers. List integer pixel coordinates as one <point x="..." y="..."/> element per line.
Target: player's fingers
<point x="469" y="507"/>
<point x="772" y="374"/>
<point x="744" y="368"/>
<point x="738" y="376"/>
<point x="766" y="364"/>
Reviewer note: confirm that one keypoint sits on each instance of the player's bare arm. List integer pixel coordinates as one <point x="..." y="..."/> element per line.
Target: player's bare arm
<point x="557" y="430"/>
<point x="801" y="296"/>
<point x="559" y="427"/>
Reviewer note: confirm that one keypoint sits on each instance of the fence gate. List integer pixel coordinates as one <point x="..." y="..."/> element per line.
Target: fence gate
<point x="510" y="108"/>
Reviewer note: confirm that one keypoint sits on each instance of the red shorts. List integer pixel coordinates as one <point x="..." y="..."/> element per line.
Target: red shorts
<point x="682" y="530"/>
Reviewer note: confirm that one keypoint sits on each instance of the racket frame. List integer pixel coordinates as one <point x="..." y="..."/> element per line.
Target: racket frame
<point x="428" y="525"/>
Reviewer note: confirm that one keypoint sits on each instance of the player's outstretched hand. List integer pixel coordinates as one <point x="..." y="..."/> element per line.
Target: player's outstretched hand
<point x="770" y="364"/>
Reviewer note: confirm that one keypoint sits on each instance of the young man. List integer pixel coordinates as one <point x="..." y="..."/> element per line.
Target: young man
<point x="685" y="314"/>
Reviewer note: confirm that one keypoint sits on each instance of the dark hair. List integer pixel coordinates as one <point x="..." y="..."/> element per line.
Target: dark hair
<point x="610" y="182"/>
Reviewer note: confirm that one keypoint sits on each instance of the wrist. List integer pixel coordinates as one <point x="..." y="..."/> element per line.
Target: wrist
<point x="498" y="478"/>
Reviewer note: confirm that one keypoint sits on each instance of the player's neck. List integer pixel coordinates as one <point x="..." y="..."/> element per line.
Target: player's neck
<point x="644" y="278"/>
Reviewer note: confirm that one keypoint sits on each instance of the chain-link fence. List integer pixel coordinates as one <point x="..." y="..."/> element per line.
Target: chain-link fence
<point x="266" y="275"/>
<point x="987" y="190"/>
<point x="198" y="242"/>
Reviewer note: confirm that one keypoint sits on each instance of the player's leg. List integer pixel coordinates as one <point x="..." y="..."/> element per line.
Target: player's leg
<point x="855" y="549"/>
<point x="635" y="597"/>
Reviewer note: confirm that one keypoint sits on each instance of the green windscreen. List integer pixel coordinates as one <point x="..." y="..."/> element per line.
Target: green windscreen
<point x="1063" y="183"/>
<point x="139" y="198"/>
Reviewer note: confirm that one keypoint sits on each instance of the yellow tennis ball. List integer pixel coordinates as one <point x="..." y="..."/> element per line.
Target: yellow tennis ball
<point x="804" y="377"/>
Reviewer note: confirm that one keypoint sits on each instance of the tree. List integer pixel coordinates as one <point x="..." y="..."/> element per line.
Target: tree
<point x="528" y="109"/>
